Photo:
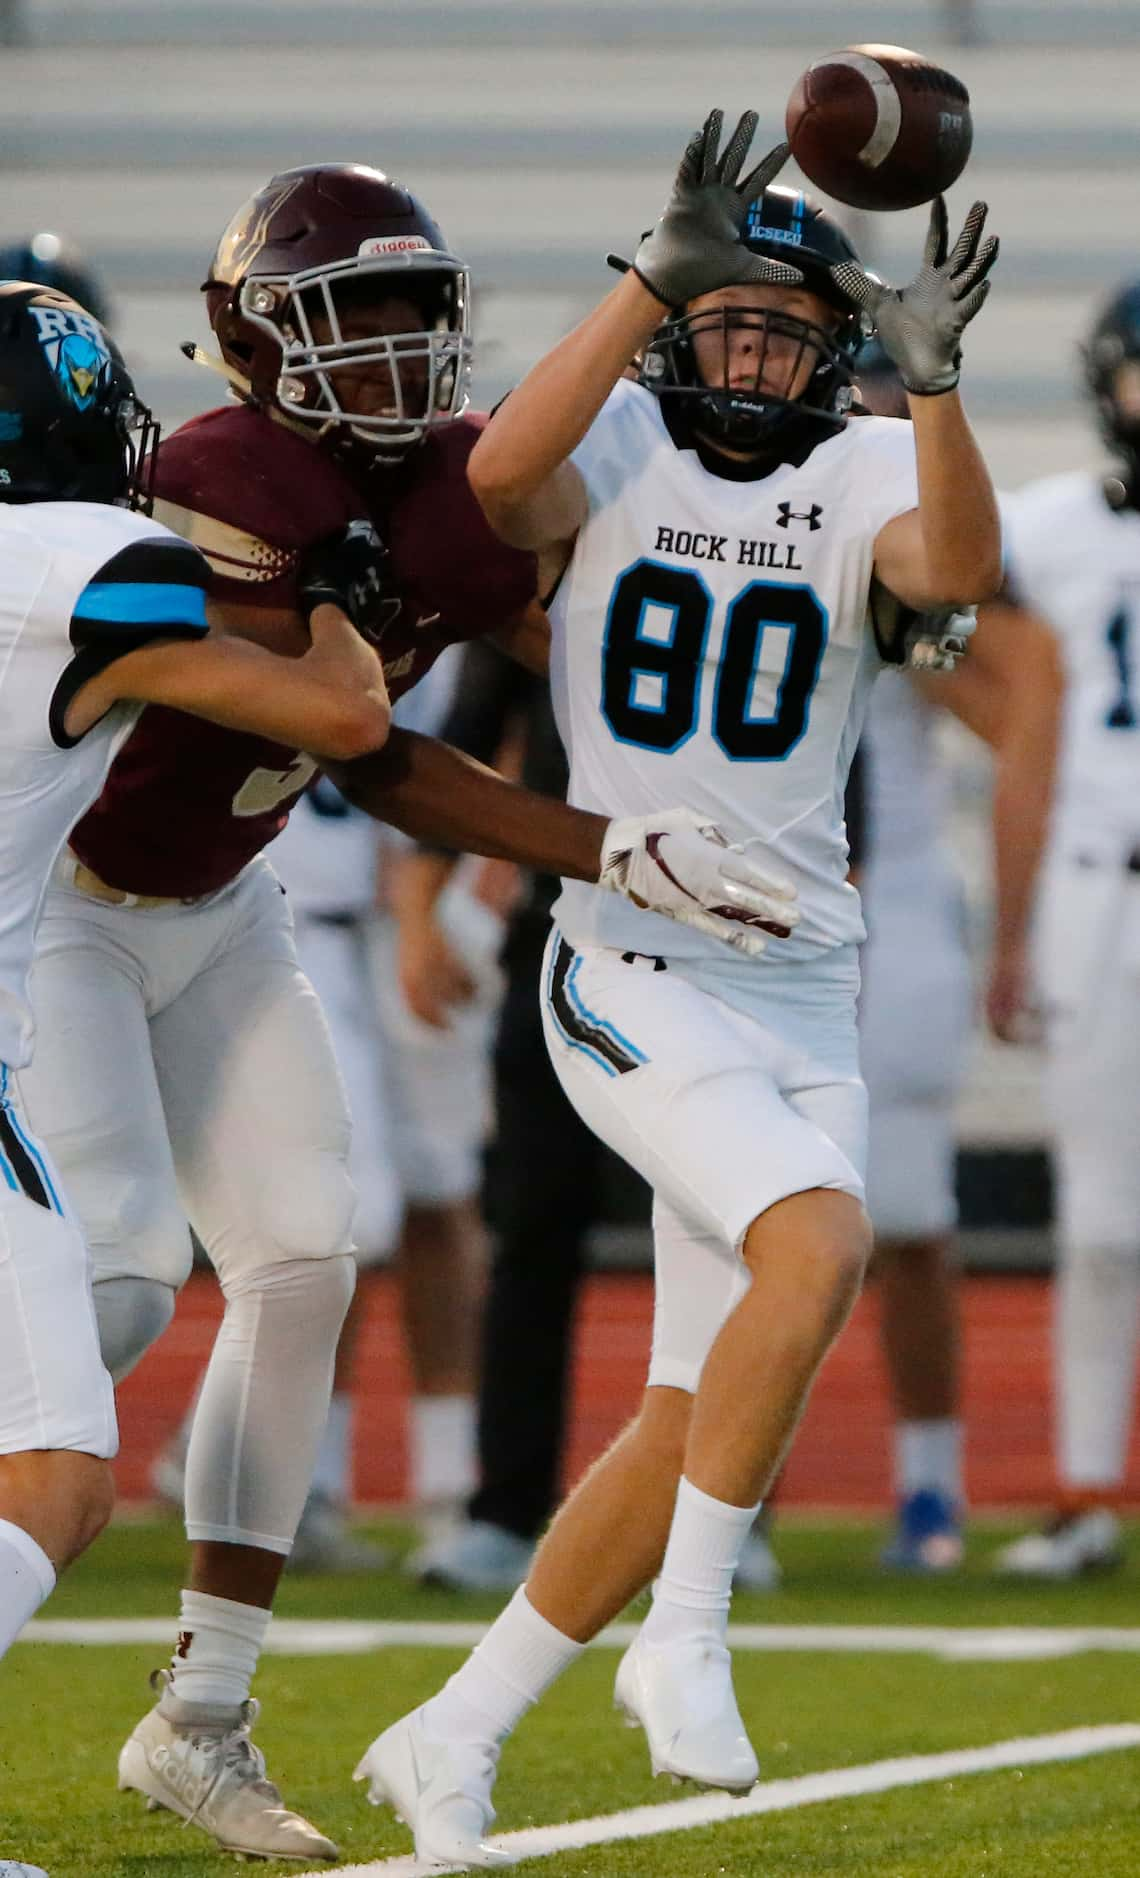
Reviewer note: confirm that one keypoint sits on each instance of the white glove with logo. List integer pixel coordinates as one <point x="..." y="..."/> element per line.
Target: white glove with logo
<point x="680" y="864"/>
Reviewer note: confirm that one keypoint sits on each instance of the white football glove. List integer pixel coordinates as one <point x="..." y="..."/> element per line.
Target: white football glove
<point x="680" y="864"/>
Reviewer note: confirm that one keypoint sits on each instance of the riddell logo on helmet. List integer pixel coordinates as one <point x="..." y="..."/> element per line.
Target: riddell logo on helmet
<point x="394" y="244"/>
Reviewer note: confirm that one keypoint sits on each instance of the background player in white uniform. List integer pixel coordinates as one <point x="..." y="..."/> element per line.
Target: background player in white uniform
<point x="719" y="542"/>
<point x="101" y="610"/>
<point x="419" y="1102"/>
<point x="916" y="985"/>
<point x="1072" y="548"/>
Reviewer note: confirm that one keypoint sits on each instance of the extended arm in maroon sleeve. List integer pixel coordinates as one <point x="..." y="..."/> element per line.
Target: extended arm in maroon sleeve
<point x="437" y="794"/>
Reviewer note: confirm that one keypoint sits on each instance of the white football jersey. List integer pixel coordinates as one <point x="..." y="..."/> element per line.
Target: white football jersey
<point x="80" y="583"/>
<point x="712" y="650"/>
<point x="1076" y="563"/>
<point x="905" y="790"/>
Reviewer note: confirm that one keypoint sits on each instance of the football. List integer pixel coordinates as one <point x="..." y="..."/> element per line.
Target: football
<point x="879" y="127"/>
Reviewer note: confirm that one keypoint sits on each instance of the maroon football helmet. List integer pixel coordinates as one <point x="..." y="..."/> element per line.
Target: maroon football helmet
<point x="317" y="249"/>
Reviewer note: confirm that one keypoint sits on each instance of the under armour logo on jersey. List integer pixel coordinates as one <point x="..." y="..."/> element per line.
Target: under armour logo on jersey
<point x="787" y="514"/>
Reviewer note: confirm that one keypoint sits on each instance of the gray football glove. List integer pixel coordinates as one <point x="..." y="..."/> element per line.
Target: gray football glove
<point x="921" y="324"/>
<point x="695" y="246"/>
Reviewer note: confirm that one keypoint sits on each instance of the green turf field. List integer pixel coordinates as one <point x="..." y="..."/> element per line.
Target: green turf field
<point x="67" y="1709"/>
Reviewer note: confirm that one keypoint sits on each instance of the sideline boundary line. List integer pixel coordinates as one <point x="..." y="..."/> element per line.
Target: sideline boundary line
<point x="777" y="1796"/>
<point x="292" y="1636"/>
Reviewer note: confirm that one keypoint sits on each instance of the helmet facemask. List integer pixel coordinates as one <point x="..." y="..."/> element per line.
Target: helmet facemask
<point x="790" y="371"/>
<point x="412" y="379"/>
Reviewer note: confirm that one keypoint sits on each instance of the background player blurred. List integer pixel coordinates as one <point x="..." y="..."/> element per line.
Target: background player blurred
<point x="1072" y="549"/>
<point x="916" y="985"/>
<point x="538" y="1223"/>
<point x="419" y="1102"/>
<point x="101" y="610"/>
<point x="52" y="261"/>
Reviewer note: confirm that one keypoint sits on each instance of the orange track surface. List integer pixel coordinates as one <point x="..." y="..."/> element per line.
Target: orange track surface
<point x="841" y="1452"/>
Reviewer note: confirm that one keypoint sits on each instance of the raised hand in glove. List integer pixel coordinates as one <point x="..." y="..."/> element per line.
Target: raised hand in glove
<point x="921" y="325"/>
<point x="351" y="570"/>
<point x="695" y="246"/>
<point x="679" y="863"/>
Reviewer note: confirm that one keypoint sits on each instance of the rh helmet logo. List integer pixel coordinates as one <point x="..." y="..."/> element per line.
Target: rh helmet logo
<point x="787" y="514"/>
<point x="76" y="351"/>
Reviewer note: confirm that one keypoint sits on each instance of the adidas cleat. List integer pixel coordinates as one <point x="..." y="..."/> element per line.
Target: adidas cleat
<point x="210" y="1774"/>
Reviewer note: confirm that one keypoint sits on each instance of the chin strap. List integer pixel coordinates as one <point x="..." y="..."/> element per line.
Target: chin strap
<point x="197" y="355"/>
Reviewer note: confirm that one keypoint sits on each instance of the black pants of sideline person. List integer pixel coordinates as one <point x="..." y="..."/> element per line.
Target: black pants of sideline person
<point x="544" y="1173"/>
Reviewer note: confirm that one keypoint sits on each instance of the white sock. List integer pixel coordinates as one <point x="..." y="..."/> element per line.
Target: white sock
<point x="928" y="1458"/>
<point x="219" y="1642"/>
<point x="443" y="1448"/>
<point x="692" y="1595"/>
<point x="518" y="1659"/>
<point x="331" y="1475"/>
<point x="27" y="1577"/>
<point x="1097" y="1310"/>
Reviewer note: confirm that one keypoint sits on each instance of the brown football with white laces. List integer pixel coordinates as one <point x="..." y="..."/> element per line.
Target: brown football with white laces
<point x="879" y="127"/>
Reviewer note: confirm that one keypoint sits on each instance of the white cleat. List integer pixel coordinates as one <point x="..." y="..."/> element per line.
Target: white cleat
<point x="441" y="1789"/>
<point x="1084" y="1542"/>
<point x="214" y="1777"/>
<point x="12" y="1868"/>
<point x="325" y="1543"/>
<point x="759" y="1568"/>
<point x="473" y="1556"/>
<point x="682" y="1696"/>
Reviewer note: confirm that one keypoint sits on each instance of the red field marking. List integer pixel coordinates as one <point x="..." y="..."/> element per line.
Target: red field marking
<point x="841" y="1457"/>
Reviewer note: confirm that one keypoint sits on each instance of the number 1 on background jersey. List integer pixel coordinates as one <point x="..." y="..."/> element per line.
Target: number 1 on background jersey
<point x="651" y="682"/>
<point x="1119" y="635"/>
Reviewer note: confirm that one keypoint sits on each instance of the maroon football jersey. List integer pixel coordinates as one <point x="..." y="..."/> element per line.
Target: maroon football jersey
<point x="187" y="804"/>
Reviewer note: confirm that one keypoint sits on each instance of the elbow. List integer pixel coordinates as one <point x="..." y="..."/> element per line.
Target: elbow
<point x="988" y="580"/>
<point x="970" y="586"/>
<point x="361" y="726"/>
<point x="495" y="490"/>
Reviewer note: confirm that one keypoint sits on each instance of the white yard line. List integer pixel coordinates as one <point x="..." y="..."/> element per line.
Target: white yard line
<point x="291" y="1636"/>
<point x="777" y="1796"/>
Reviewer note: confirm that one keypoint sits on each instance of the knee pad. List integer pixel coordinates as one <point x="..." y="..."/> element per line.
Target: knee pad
<point x="136" y="1230"/>
<point x="131" y="1313"/>
<point x="306" y="1209"/>
<point x="264" y="1401"/>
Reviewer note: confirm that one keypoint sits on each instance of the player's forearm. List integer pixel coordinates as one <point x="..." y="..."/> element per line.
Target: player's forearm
<point x="1022" y="803"/>
<point x="418" y="881"/>
<point x="436" y="794"/>
<point x="548" y="414"/>
<point x="957" y="507"/>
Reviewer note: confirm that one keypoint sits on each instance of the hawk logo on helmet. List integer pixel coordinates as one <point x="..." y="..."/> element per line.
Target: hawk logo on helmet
<point x="77" y="353"/>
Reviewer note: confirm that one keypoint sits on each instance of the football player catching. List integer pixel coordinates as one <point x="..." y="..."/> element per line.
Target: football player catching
<point x="185" y="1067"/>
<point x="722" y="528"/>
<point x="1072" y="546"/>
<point x="102" y="610"/>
